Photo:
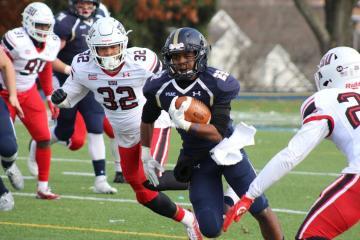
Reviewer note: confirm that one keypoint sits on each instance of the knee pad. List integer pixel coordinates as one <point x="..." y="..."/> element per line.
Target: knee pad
<point x="143" y="195"/>
<point x="209" y="223"/>
<point x="12" y="158"/>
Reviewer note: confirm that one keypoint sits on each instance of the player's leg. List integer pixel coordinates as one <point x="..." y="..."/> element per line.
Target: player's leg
<point x="118" y="178"/>
<point x="77" y="139"/>
<point x="93" y="115"/>
<point x="335" y="211"/>
<point x="36" y="121"/>
<point x="156" y="201"/>
<point x="239" y="176"/>
<point x="9" y="147"/>
<point x="206" y="194"/>
<point x="160" y="144"/>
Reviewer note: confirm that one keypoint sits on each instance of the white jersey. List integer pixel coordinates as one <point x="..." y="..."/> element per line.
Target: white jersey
<point x="28" y="62"/>
<point x="329" y="113"/>
<point x="341" y="108"/>
<point x="121" y="94"/>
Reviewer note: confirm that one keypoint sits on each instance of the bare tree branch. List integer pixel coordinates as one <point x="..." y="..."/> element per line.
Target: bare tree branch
<point x="320" y="32"/>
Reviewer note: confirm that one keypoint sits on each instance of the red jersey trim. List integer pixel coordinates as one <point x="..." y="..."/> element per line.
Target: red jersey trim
<point x="330" y="121"/>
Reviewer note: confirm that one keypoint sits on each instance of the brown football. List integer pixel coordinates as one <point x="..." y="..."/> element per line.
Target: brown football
<point x="197" y="112"/>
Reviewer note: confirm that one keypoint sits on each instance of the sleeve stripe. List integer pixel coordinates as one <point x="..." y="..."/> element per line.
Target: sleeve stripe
<point x="158" y="67"/>
<point x="330" y="121"/>
<point x="309" y="109"/>
<point x="154" y="64"/>
<point x="306" y="105"/>
<point x="7" y="44"/>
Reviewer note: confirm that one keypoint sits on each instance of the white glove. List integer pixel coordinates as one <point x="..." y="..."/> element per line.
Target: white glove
<point x="150" y="166"/>
<point x="177" y="115"/>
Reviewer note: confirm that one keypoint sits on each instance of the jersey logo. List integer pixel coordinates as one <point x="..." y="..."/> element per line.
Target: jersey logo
<point x="126" y="74"/>
<point x="170" y="94"/>
<point x="198" y="93"/>
<point x="92" y="76"/>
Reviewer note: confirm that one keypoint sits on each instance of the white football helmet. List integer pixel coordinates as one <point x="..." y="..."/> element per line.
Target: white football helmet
<point x="105" y="32"/>
<point x="35" y="14"/>
<point x="339" y="68"/>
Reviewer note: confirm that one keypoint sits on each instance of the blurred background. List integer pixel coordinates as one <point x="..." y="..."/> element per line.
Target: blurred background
<point x="269" y="45"/>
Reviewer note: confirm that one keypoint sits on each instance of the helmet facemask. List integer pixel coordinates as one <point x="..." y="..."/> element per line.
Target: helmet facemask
<point x="84" y="9"/>
<point x="113" y="61"/>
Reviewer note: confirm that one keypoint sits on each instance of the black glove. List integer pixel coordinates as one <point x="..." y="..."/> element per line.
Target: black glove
<point x="183" y="169"/>
<point x="58" y="96"/>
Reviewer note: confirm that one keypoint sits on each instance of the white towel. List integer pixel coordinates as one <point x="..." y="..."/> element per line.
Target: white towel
<point x="227" y="152"/>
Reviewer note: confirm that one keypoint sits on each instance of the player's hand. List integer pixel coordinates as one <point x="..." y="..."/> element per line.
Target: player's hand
<point x="53" y="109"/>
<point x="58" y="96"/>
<point x="151" y="166"/>
<point x="237" y="211"/>
<point x="178" y="115"/>
<point x="13" y="100"/>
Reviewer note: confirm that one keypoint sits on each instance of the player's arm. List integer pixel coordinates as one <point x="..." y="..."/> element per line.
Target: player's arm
<point x="60" y="66"/>
<point x="149" y="114"/>
<point x="304" y="141"/>
<point x="7" y="68"/>
<point x="69" y="94"/>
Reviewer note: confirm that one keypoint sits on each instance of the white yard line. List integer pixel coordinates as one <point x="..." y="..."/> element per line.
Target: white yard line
<point x="124" y="200"/>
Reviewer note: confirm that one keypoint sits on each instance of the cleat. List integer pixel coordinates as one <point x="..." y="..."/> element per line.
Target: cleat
<point x="15" y="177"/>
<point x="31" y="161"/>
<point x="119" y="178"/>
<point x="193" y="231"/>
<point x="47" y="195"/>
<point x="102" y="186"/>
<point x="6" y="202"/>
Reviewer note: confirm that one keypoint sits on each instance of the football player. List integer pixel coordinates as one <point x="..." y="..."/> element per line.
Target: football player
<point x="187" y="74"/>
<point x="8" y="145"/>
<point x="32" y="48"/>
<point x="72" y="26"/>
<point x="116" y="76"/>
<point x="331" y="113"/>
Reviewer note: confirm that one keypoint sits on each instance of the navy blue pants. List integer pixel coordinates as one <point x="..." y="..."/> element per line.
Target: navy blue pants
<point x="8" y="145"/>
<point x="206" y="191"/>
<point x="92" y="113"/>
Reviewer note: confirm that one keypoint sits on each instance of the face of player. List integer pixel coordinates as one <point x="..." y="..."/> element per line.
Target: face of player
<point x="85" y="9"/>
<point x="42" y="29"/>
<point x="183" y="62"/>
<point x="108" y="51"/>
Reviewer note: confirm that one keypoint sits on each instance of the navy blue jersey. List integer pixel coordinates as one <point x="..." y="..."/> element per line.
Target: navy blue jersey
<point x="212" y="87"/>
<point x="73" y="30"/>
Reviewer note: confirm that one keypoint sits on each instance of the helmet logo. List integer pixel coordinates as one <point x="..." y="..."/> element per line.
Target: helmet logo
<point x="326" y="60"/>
<point x="176" y="46"/>
<point x="339" y="68"/>
<point x="31" y="11"/>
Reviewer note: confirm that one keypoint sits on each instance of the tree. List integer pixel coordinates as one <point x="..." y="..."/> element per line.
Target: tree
<point x="338" y="27"/>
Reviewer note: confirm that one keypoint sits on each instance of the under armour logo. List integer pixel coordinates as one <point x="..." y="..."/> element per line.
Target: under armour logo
<point x="198" y="93"/>
<point x="126" y="74"/>
<point x="197" y="166"/>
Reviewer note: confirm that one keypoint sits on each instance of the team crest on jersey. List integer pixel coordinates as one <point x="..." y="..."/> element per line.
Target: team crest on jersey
<point x="112" y="83"/>
<point x="92" y="76"/>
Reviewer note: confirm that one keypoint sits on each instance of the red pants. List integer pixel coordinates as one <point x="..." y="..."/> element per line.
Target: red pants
<point x="335" y="211"/>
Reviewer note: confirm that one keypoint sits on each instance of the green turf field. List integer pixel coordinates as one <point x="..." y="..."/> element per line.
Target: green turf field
<point x="83" y="215"/>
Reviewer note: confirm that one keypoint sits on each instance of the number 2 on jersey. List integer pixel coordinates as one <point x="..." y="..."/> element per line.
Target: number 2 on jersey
<point x="125" y="103"/>
<point x="351" y="112"/>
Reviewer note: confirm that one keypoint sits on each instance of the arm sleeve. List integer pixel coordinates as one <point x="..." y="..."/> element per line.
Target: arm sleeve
<point x="221" y="117"/>
<point x="75" y="91"/>
<point x="151" y="111"/>
<point x="305" y="140"/>
<point x="45" y="78"/>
